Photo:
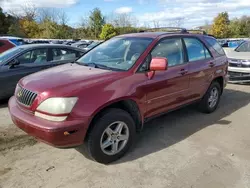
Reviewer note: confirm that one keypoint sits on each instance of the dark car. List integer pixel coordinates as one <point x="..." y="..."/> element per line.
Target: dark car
<point x="26" y="59"/>
<point x="92" y="45"/>
<point x="108" y="94"/>
<point x="81" y="44"/>
<point x="69" y="43"/>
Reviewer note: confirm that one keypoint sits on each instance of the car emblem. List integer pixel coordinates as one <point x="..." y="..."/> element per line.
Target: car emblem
<point x="239" y="64"/>
<point x="20" y="94"/>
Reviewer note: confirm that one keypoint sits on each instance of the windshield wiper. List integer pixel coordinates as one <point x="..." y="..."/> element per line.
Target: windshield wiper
<point x="95" y="65"/>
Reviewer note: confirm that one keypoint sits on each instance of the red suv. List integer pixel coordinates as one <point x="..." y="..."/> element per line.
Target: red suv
<point x="5" y="45"/>
<point x="104" y="98"/>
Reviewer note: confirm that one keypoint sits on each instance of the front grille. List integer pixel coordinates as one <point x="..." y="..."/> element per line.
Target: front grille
<point x="235" y="74"/>
<point x="25" y="96"/>
<point x="238" y="65"/>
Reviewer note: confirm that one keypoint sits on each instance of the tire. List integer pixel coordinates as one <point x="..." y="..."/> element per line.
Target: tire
<point x="111" y="118"/>
<point x="205" y="104"/>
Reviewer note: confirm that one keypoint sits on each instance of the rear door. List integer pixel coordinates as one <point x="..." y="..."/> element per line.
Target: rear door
<point x="201" y="67"/>
<point x="59" y="56"/>
<point x="167" y="89"/>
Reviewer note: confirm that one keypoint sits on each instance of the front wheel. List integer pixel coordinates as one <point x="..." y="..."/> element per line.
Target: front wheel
<point x="211" y="99"/>
<point x="111" y="137"/>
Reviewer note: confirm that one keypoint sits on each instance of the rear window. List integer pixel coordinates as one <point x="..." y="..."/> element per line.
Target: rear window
<point x="215" y="45"/>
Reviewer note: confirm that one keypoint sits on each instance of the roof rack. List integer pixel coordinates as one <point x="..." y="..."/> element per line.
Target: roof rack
<point x="197" y="31"/>
<point x="174" y="29"/>
<point x="165" y="29"/>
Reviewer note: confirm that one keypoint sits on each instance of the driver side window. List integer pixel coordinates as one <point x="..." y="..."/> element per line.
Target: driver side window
<point x="25" y="58"/>
<point x="172" y="49"/>
<point x="33" y="56"/>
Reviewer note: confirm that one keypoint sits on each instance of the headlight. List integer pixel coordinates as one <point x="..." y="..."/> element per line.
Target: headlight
<point x="232" y="60"/>
<point x="56" y="109"/>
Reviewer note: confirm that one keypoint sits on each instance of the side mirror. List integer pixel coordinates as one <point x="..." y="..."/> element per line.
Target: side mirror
<point x="14" y="62"/>
<point x="158" y="64"/>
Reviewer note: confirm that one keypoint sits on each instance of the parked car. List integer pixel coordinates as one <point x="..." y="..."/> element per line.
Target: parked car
<point x="23" y="60"/>
<point x="111" y="91"/>
<point x="5" y="45"/>
<point x="40" y="42"/>
<point x="81" y="44"/>
<point x="92" y="45"/>
<point x="69" y="42"/>
<point x="239" y="63"/>
<point x="14" y="40"/>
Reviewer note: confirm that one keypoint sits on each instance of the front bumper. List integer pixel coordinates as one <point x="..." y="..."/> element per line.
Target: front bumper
<point x="52" y="133"/>
<point x="239" y="75"/>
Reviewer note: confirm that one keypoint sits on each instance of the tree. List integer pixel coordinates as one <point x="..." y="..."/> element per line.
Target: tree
<point x="30" y="28"/>
<point x="96" y="21"/>
<point x="220" y="27"/>
<point x="240" y="27"/>
<point x="6" y="21"/>
<point x="108" y="31"/>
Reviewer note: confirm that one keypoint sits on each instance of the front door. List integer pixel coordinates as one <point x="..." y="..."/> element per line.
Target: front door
<point x="167" y="89"/>
<point x="30" y="62"/>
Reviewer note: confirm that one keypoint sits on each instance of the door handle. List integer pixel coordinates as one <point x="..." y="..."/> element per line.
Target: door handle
<point x="183" y="71"/>
<point x="211" y="64"/>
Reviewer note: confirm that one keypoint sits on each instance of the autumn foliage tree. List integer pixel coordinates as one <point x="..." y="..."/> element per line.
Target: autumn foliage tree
<point x="108" y="31"/>
<point x="220" y="27"/>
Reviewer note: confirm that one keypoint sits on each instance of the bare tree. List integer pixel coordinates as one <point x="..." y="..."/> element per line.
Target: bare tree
<point x="62" y="17"/>
<point x="122" y="20"/>
<point x="156" y="23"/>
<point x="47" y="14"/>
<point x="177" y="22"/>
<point x="28" y="12"/>
<point x="84" y="21"/>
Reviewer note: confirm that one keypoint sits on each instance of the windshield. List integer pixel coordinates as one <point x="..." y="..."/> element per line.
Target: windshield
<point x="244" y="47"/>
<point x="116" y="53"/>
<point x="9" y="53"/>
<point x="93" y="44"/>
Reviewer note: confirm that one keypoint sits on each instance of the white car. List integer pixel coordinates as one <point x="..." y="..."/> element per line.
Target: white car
<point x="239" y="63"/>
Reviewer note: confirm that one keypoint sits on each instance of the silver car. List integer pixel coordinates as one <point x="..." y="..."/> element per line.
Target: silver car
<point x="239" y="63"/>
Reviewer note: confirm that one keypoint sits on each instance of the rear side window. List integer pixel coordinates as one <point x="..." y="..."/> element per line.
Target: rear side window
<point x="215" y="45"/>
<point x="196" y="50"/>
<point x="64" y="54"/>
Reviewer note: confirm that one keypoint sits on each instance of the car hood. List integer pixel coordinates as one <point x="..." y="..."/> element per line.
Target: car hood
<point x="66" y="78"/>
<point x="238" y="55"/>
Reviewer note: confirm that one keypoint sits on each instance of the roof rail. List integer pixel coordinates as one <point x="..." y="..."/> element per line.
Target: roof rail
<point x="165" y="29"/>
<point x="174" y="29"/>
<point x="197" y="30"/>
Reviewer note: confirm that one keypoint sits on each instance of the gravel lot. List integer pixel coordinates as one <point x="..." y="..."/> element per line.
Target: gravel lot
<point x="182" y="149"/>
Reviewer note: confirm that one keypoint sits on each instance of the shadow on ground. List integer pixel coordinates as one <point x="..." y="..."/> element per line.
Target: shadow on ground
<point x="176" y="126"/>
<point x="3" y="103"/>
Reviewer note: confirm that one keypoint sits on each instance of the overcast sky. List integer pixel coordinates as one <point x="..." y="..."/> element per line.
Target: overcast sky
<point x="193" y="13"/>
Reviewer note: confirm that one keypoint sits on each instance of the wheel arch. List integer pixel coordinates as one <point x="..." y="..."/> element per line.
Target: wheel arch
<point x="220" y="80"/>
<point x="128" y="105"/>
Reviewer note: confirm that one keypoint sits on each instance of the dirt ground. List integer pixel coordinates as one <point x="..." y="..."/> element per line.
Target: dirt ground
<point x="182" y="149"/>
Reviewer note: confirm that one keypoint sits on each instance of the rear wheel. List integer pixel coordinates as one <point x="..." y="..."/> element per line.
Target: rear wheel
<point x="211" y="99"/>
<point x="111" y="137"/>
